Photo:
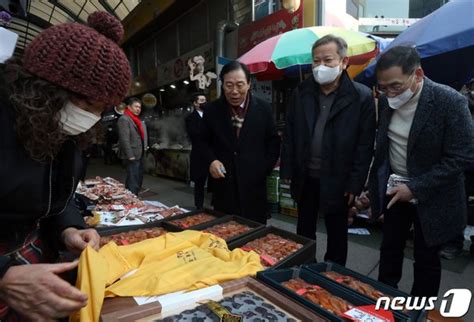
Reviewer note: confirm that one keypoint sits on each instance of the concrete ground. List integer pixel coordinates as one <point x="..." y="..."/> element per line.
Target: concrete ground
<point x="363" y="250"/>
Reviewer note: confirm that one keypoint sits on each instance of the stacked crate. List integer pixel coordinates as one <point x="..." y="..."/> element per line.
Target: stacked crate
<point x="287" y="204"/>
<point x="273" y="191"/>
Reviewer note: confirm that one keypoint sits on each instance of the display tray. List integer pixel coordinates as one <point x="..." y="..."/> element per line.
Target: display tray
<point x="142" y="232"/>
<point x="304" y="255"/>
<point x="172" y="227"/>
<point x="107" y="231"/>
<point x="254" y="226"/>
<point x="275" y="278"/>
<point x="387" y="290"/>
<point x="126" y="309"/>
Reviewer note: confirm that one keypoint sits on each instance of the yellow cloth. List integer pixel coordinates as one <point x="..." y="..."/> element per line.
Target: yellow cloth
<point x="175" y="261"/>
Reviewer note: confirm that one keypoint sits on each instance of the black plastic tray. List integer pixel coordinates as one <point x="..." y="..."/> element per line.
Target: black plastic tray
<point x="255" y="226"/>
<point x="304" y="255"/>
<point x="390" y="291"/>
<point x="168" y="225"/>
<point x="274" y="278"/>
<point x="107" y="231"/>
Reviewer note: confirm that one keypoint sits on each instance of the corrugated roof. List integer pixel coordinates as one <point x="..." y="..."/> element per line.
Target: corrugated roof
<point x="32" y="16"/>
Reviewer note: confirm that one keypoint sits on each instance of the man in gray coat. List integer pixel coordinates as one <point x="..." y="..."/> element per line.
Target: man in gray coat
<point x="133" y="142"/>
<point x="425" y="137"/>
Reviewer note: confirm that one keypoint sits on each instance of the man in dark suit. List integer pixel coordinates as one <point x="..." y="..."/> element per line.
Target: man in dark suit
<point x="199" y="169"/>
<point x="425" y="137"/>
<point x="240" y="145"/>
<point x="328" y="145"/>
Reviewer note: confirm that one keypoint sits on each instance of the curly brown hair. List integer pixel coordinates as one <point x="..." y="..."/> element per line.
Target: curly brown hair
<point x="36" y="103"/>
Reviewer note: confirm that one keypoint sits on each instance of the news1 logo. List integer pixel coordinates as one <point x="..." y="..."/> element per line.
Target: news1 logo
<point x="454" y="304"/>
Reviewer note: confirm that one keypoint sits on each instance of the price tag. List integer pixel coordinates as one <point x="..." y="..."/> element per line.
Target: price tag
<point x="246" y="248"/>
<point x="301" y="291"/>
<point x="268" y="259"/>
<point x="369" y="314"/>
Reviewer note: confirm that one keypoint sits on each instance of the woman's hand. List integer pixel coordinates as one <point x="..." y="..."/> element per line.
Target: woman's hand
<point x="76" y="240"/>
<point x="36" y="292"/>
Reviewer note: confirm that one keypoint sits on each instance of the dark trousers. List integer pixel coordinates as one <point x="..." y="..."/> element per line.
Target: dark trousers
<point x="109" y="155"/>
<point x="336" y="222"/>
<point x="427" y="267"/>
<point x="199" y="184"/>
<point x="134" y="175"/>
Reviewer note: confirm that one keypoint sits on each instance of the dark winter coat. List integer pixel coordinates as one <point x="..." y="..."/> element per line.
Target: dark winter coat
<point x="247" y="159"/>
<point x="27" y="186"/>
<point x="198" y="168"/>
<point x="347" y="146"/>
<point x="440" y="147"/>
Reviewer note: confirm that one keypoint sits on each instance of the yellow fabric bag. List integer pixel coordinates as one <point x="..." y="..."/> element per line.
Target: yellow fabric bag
<point x="175" y="261"/>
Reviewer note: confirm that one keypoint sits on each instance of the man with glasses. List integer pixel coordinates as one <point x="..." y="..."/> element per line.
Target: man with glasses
<point x="328" y="145"/>
<point x="424" y="142"/>
<point x="240" y="144"/>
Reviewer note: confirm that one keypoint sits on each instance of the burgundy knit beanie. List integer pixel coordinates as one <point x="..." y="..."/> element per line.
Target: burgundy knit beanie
<point x="83" y="59"/>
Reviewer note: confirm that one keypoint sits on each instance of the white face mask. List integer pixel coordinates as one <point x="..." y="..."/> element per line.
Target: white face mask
<point x="325" y="75"/>
<point x="75" y="120"/>
<point x="399" y="100"/>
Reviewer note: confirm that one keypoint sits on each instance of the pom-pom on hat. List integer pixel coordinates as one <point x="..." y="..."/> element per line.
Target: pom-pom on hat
<point x="83" y="59"/>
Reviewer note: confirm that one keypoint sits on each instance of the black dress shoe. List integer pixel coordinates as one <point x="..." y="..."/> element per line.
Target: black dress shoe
<point x="450" y="252"/>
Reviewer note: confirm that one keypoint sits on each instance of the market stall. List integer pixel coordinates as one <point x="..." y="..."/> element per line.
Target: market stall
<point x="169" y="147"/>
<point x="210" y="266"/>
<point x="109" y="204"/>
<point x="171" y="161"/>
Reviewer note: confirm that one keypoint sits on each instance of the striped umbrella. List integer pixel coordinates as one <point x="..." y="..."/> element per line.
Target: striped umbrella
<point x="281" y="54"/>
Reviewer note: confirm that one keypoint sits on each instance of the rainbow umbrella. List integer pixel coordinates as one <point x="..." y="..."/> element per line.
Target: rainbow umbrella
<point x="282" y="54"/>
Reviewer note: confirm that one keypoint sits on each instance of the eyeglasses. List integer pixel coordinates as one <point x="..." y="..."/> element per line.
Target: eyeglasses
<point x="395" y="88"/>
<point x="240" y="86"/>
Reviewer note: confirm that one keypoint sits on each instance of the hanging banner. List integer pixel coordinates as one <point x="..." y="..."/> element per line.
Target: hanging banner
<point x="178" y="69"/>
<point x="279" y="22"/>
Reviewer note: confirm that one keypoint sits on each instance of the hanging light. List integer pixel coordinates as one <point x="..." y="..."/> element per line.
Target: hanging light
<point x="186" y="82"/>
<point x="173" y="86"/>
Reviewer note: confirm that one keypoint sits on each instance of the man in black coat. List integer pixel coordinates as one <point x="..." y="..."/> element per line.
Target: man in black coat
<point x="328" y="145"/>
<point x="240" y="144"/>
<point x="199" y="169"/>
<point x="425" y="136"/>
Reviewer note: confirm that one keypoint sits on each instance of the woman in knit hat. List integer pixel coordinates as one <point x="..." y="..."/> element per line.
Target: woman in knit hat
<point x="69" y="74"/>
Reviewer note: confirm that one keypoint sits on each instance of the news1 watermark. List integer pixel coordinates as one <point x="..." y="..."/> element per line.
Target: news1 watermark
<point x="454" y="303"/>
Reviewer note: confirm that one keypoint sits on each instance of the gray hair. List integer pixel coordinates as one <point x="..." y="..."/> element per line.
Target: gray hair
<point x="340" y="42"/>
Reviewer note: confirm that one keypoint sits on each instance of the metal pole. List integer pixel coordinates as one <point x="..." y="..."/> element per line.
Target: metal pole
<point x="253" y="10"/>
